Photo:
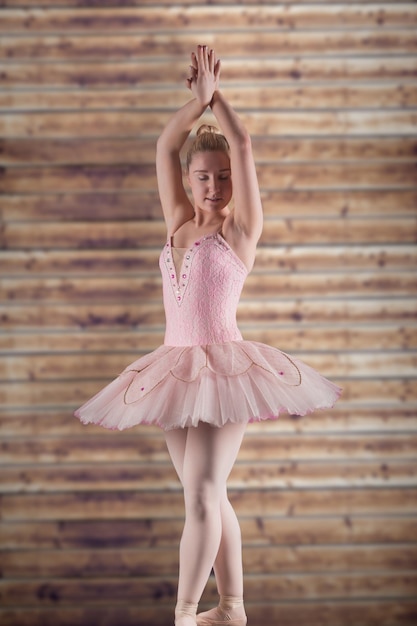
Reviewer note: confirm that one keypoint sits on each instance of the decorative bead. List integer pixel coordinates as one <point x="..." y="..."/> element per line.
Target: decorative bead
<point x="188" y="257"/>
<point x="184" y="276"/>
<point x="178" y="298"/>
<point x="197" y="243"/>
<point x="142" y="388"/>
<point x="281" y="373"/>
<point x="172" y="276"/>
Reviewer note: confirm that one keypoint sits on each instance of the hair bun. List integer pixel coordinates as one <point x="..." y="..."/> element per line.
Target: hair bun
<point x="206" y="128"/>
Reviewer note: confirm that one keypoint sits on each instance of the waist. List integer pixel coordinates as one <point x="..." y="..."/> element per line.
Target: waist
<point x="200" y="332"/>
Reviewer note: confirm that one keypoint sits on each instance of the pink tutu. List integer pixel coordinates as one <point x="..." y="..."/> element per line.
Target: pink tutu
<point x="237" y="381"/>
<point x="205" y="371"/>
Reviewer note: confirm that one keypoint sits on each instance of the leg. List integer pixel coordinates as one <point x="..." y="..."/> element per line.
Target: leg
<point x="228" y="566"/>
<point x="203" y="458"/>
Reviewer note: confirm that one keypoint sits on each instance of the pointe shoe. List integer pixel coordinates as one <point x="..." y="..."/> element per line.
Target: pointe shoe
<point x="207" y="621"/>
<point x="203" y="620"/>
<point x="185" y="612"/>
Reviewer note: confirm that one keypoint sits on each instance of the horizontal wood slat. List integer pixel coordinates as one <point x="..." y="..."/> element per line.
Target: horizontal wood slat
<point x="304" y="474"/>
<point x="378" y="418"/>
<point x="278" y="259"/>
<point x="254" y="448"/>
<point x="248" y="44"/>
<point x="272" y="149"/>
<point x="141" y="234"/>
<point x="326" y="613"/>
<point x="143" y="74"/>
<point x="101" y="366"/>
<point x="308" y="17"/>
<point x="285" y="176"/>
<point x="267" y="287"/>
<point x="122" y="562"/>
<point x="135" y="506"/>
<point x="377" y="338"/>
<point x="136" y="205"/>
<point x="160" y="533"/>
<point x="95" y="124"/>
<point x="165" y="3"/>
<point x="301" y="586"/>
<point x="262" y="313"/>
<point x="311" y="97"/>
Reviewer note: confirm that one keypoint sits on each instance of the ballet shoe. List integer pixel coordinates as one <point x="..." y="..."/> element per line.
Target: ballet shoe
<point x="207" y="621"/>
<point x="229" y="612"/>
<point x="204" y="620"/>
<point x="185" y="613"/>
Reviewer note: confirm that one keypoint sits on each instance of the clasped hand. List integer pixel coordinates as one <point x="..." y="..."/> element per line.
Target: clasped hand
<point x="204" y="75"/>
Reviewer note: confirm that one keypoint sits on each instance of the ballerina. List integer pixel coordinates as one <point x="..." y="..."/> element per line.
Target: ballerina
<point x="206" y="383"/>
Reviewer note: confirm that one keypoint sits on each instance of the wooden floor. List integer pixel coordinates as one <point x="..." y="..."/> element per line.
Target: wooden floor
<point x="91" y="519"/>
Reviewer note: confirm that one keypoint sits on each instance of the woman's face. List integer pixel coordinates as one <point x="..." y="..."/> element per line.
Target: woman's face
<point x="210" y="180"/>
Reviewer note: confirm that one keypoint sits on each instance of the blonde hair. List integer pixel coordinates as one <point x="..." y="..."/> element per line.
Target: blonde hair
<point x="208" y="139"/>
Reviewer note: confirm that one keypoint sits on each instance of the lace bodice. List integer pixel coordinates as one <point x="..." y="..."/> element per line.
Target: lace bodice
<point x="201" y="299"/>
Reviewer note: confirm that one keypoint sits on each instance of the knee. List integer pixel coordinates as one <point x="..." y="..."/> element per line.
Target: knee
<point x="202" y="499"/>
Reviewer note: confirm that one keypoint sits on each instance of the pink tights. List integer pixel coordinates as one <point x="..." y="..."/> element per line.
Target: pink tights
<point x="203" y="457"/>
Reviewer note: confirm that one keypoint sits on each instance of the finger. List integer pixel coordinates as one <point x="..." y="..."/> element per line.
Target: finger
<point x="217" y="69"/>
<point x="194" y="61"/>
<point x="202" y="56"/>
<point x="212" y="60"/>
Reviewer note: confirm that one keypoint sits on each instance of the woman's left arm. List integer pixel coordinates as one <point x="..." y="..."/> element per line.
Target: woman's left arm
<point x="247" y="215"/>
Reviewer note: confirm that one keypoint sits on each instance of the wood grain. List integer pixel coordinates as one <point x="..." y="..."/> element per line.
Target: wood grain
<point x="246" y="43"/>
<point x="213" y="18"/>
<point x="90" y="519"/>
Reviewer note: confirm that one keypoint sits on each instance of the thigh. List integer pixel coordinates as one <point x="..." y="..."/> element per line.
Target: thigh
<point x="210" y="452"/>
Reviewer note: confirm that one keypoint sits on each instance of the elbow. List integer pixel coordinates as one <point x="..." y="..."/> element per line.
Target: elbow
<point x="243" y="142"/>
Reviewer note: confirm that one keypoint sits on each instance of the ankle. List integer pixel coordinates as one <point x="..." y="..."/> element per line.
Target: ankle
<point x="229" y="603"/>
<point x="185" y="613"/>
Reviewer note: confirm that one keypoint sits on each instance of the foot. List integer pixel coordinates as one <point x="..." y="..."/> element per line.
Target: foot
<point x="218" y="617"/>
<point x="185" y="620"/>
<point x="185" y="613"/>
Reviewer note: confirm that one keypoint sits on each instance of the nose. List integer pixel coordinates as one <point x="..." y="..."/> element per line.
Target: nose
<point x="214" y="185"/>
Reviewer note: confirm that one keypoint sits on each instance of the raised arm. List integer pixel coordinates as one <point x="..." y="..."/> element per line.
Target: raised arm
<point x="176" y="206"/>
<point x="247" y="217"/>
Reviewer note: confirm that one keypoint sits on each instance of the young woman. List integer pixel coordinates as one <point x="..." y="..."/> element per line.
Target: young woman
<point x="205" y="383"/>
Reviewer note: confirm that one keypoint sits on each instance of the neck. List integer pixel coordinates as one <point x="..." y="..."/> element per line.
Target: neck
<point x="204" y="219"/>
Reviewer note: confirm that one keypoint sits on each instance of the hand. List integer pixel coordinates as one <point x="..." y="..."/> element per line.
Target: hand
<point x="204" y="76"/>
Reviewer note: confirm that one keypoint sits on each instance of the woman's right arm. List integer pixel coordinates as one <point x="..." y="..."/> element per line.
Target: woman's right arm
<point x="176" y="206"/>
<point x="203" y="81"/>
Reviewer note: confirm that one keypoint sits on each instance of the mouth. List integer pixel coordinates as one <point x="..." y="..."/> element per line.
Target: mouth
<point x="214" y="199"/>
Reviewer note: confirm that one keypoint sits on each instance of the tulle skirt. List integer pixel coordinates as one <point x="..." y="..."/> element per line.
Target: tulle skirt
<point x="237" y="381"/>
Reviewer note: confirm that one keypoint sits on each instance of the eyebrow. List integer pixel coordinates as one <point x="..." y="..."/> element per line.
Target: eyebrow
<point x="226" y="169"/>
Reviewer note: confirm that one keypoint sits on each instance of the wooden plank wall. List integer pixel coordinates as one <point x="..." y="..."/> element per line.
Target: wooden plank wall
<point x="90" y="520"/>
